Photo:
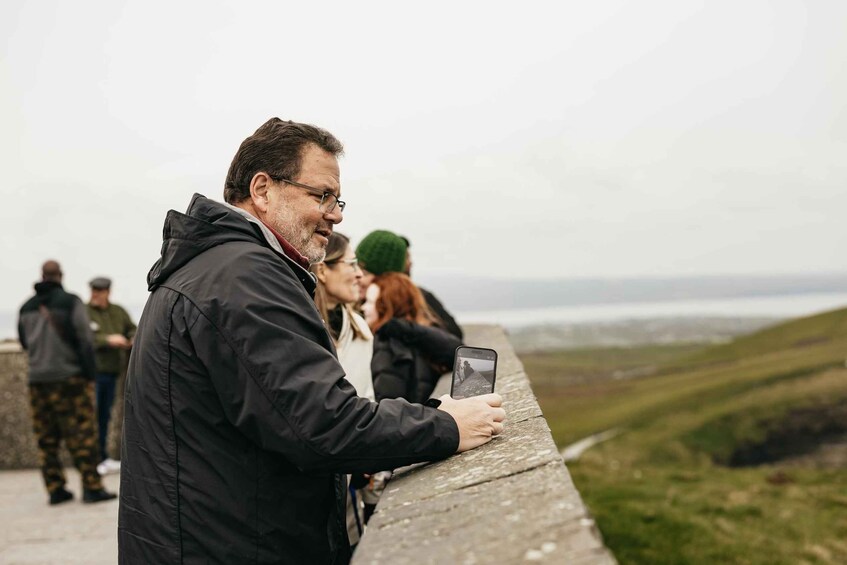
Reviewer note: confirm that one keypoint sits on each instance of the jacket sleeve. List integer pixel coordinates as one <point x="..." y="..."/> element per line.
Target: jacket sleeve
<point x="437" y="344"/>
<point x="84" y="340"/>
<point x="271" y="363"/>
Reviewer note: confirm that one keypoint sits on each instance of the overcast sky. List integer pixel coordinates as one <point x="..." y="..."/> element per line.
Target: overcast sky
<point x="554" y="139"/>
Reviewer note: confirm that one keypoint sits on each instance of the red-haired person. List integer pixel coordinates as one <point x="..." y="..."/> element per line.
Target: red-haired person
<point x="410" y="352"/>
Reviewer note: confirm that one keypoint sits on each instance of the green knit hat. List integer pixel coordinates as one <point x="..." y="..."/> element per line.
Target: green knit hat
<point x="382" y="251"/>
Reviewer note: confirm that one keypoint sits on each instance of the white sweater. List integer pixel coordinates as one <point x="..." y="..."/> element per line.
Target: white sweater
<point x="355" y="353"/>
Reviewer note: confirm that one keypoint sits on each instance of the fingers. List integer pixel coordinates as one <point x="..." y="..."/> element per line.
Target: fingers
<point x="492" y="399"/>
<point x="498" y="415"/>
<point x="497" y="428"/>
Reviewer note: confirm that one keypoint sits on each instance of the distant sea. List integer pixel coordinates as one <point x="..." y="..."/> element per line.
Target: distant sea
<point x="524" y="303"/>
<point x="775" y="306"/>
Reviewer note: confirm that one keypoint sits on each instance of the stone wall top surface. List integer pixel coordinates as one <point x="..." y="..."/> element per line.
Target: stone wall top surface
<point x="509" y="501"/>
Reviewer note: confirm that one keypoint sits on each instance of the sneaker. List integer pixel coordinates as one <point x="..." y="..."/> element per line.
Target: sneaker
<point x="109" y="467"/>
<point x="99" y="495"/>
<point x="60" y="495"/>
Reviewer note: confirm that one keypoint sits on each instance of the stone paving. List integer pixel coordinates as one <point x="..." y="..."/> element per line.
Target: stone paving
<point x="34" y="532"/>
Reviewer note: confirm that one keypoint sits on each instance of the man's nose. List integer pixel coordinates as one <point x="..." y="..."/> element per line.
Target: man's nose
<point x="336" y="216"/>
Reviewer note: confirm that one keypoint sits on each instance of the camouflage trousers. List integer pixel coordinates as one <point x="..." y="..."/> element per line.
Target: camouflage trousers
<point x="65" y="410"/>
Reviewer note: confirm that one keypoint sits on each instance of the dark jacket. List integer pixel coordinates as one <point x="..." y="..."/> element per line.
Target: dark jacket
<point x="445" y="320"/>
<point x="107" y="321"/>
<point x="53" y="329"/>
<point x="409" y="359"/>
<point x="239" y="421"/>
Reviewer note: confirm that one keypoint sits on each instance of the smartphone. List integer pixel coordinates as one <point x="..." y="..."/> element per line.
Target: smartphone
<point x="474" y="371"/>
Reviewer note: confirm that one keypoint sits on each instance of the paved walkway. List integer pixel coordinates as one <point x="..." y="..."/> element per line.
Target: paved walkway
<point x="32" y="532"/>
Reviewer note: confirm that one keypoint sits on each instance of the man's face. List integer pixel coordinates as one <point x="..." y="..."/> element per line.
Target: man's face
<point x="294" y="213"/>
<point x="99" y="298"/>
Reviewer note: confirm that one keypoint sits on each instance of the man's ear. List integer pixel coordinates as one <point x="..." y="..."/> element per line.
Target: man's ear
<point x="260" y="186"/>
<point x="320" y="271"/>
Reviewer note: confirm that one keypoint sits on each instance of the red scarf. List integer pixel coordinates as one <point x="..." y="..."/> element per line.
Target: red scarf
<point x="289" y="250"/>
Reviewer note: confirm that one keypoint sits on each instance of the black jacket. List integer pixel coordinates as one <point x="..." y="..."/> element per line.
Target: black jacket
<point x="238" y="419"/>
<point x="409" y="359"/>
<point x="53" y="328"/>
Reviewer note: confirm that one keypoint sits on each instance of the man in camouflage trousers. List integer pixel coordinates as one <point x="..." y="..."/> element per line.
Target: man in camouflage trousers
<point x="53" y="329"/>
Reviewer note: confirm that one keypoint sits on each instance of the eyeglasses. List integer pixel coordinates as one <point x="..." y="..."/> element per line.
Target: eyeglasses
<point x="328" y="199"/>
<point x="354" y="262"/>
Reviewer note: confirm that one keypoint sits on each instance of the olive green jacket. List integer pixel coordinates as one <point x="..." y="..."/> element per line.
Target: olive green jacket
<point x="111" y="320"/>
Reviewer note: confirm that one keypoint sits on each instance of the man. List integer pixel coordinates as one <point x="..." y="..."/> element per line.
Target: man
<point x="239" y="423"/>
<point x="382" y="251"/>
<point x="53" y="329"/>
<point x="113" y="332"/>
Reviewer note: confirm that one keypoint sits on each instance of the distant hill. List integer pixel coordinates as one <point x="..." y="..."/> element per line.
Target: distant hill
<point x="753" y="379"/>
<point x="800" y="333"/>
<point x="633" y="332"/>
<point x="467" y="294"/>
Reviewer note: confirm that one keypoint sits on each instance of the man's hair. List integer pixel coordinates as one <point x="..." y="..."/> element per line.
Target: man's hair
<point x="276" y="149"/>
<point x="51" y="271"/>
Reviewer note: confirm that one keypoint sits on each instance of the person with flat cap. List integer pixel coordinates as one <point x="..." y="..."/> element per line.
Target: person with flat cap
<point x="113" y="333"/>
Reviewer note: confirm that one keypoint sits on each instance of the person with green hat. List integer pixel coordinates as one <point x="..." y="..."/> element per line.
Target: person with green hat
<point x="382" y="251"/>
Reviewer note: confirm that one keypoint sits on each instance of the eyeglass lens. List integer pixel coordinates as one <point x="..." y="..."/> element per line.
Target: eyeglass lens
<point x="329" y="201"/>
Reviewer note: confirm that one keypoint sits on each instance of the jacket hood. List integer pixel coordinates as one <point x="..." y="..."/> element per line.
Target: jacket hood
<point x="204" y="225"/>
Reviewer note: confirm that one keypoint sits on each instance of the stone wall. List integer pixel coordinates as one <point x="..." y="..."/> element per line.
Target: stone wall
<point x="17" y="442"/>
<point x="510" y="501"/>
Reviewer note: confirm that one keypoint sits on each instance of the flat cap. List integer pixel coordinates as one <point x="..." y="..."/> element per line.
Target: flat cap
<point x="100" y="283"/>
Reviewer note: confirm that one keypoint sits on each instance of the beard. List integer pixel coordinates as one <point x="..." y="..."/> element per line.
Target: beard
<point x="298" y="233"/>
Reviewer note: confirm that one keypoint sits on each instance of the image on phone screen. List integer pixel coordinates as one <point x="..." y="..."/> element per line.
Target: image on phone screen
<point x="474" y="372"/>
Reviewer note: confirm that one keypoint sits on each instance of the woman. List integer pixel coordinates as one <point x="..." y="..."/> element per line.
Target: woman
<point x="338" y="279"/>
<point x="410" y="353"/>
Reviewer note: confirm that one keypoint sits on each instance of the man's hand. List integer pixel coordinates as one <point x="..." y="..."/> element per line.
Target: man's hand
<point x="118" y="341"/>
<point x="479" y="418"/>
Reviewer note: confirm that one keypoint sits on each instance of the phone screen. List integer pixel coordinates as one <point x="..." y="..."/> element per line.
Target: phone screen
<point x="474" y="372"/>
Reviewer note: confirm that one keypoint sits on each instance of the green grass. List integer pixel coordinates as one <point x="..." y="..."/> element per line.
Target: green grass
<point x="580" y="365"/>
<point x="658" y="491"/>
<point x="796" y="334"/>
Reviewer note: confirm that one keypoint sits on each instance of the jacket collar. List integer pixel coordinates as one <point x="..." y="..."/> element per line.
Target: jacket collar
<point x="46" y="287"/>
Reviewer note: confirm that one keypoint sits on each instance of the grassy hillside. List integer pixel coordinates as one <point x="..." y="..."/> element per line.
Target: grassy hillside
<point x="664" y="491"/>
<point x="796" y="334"/>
